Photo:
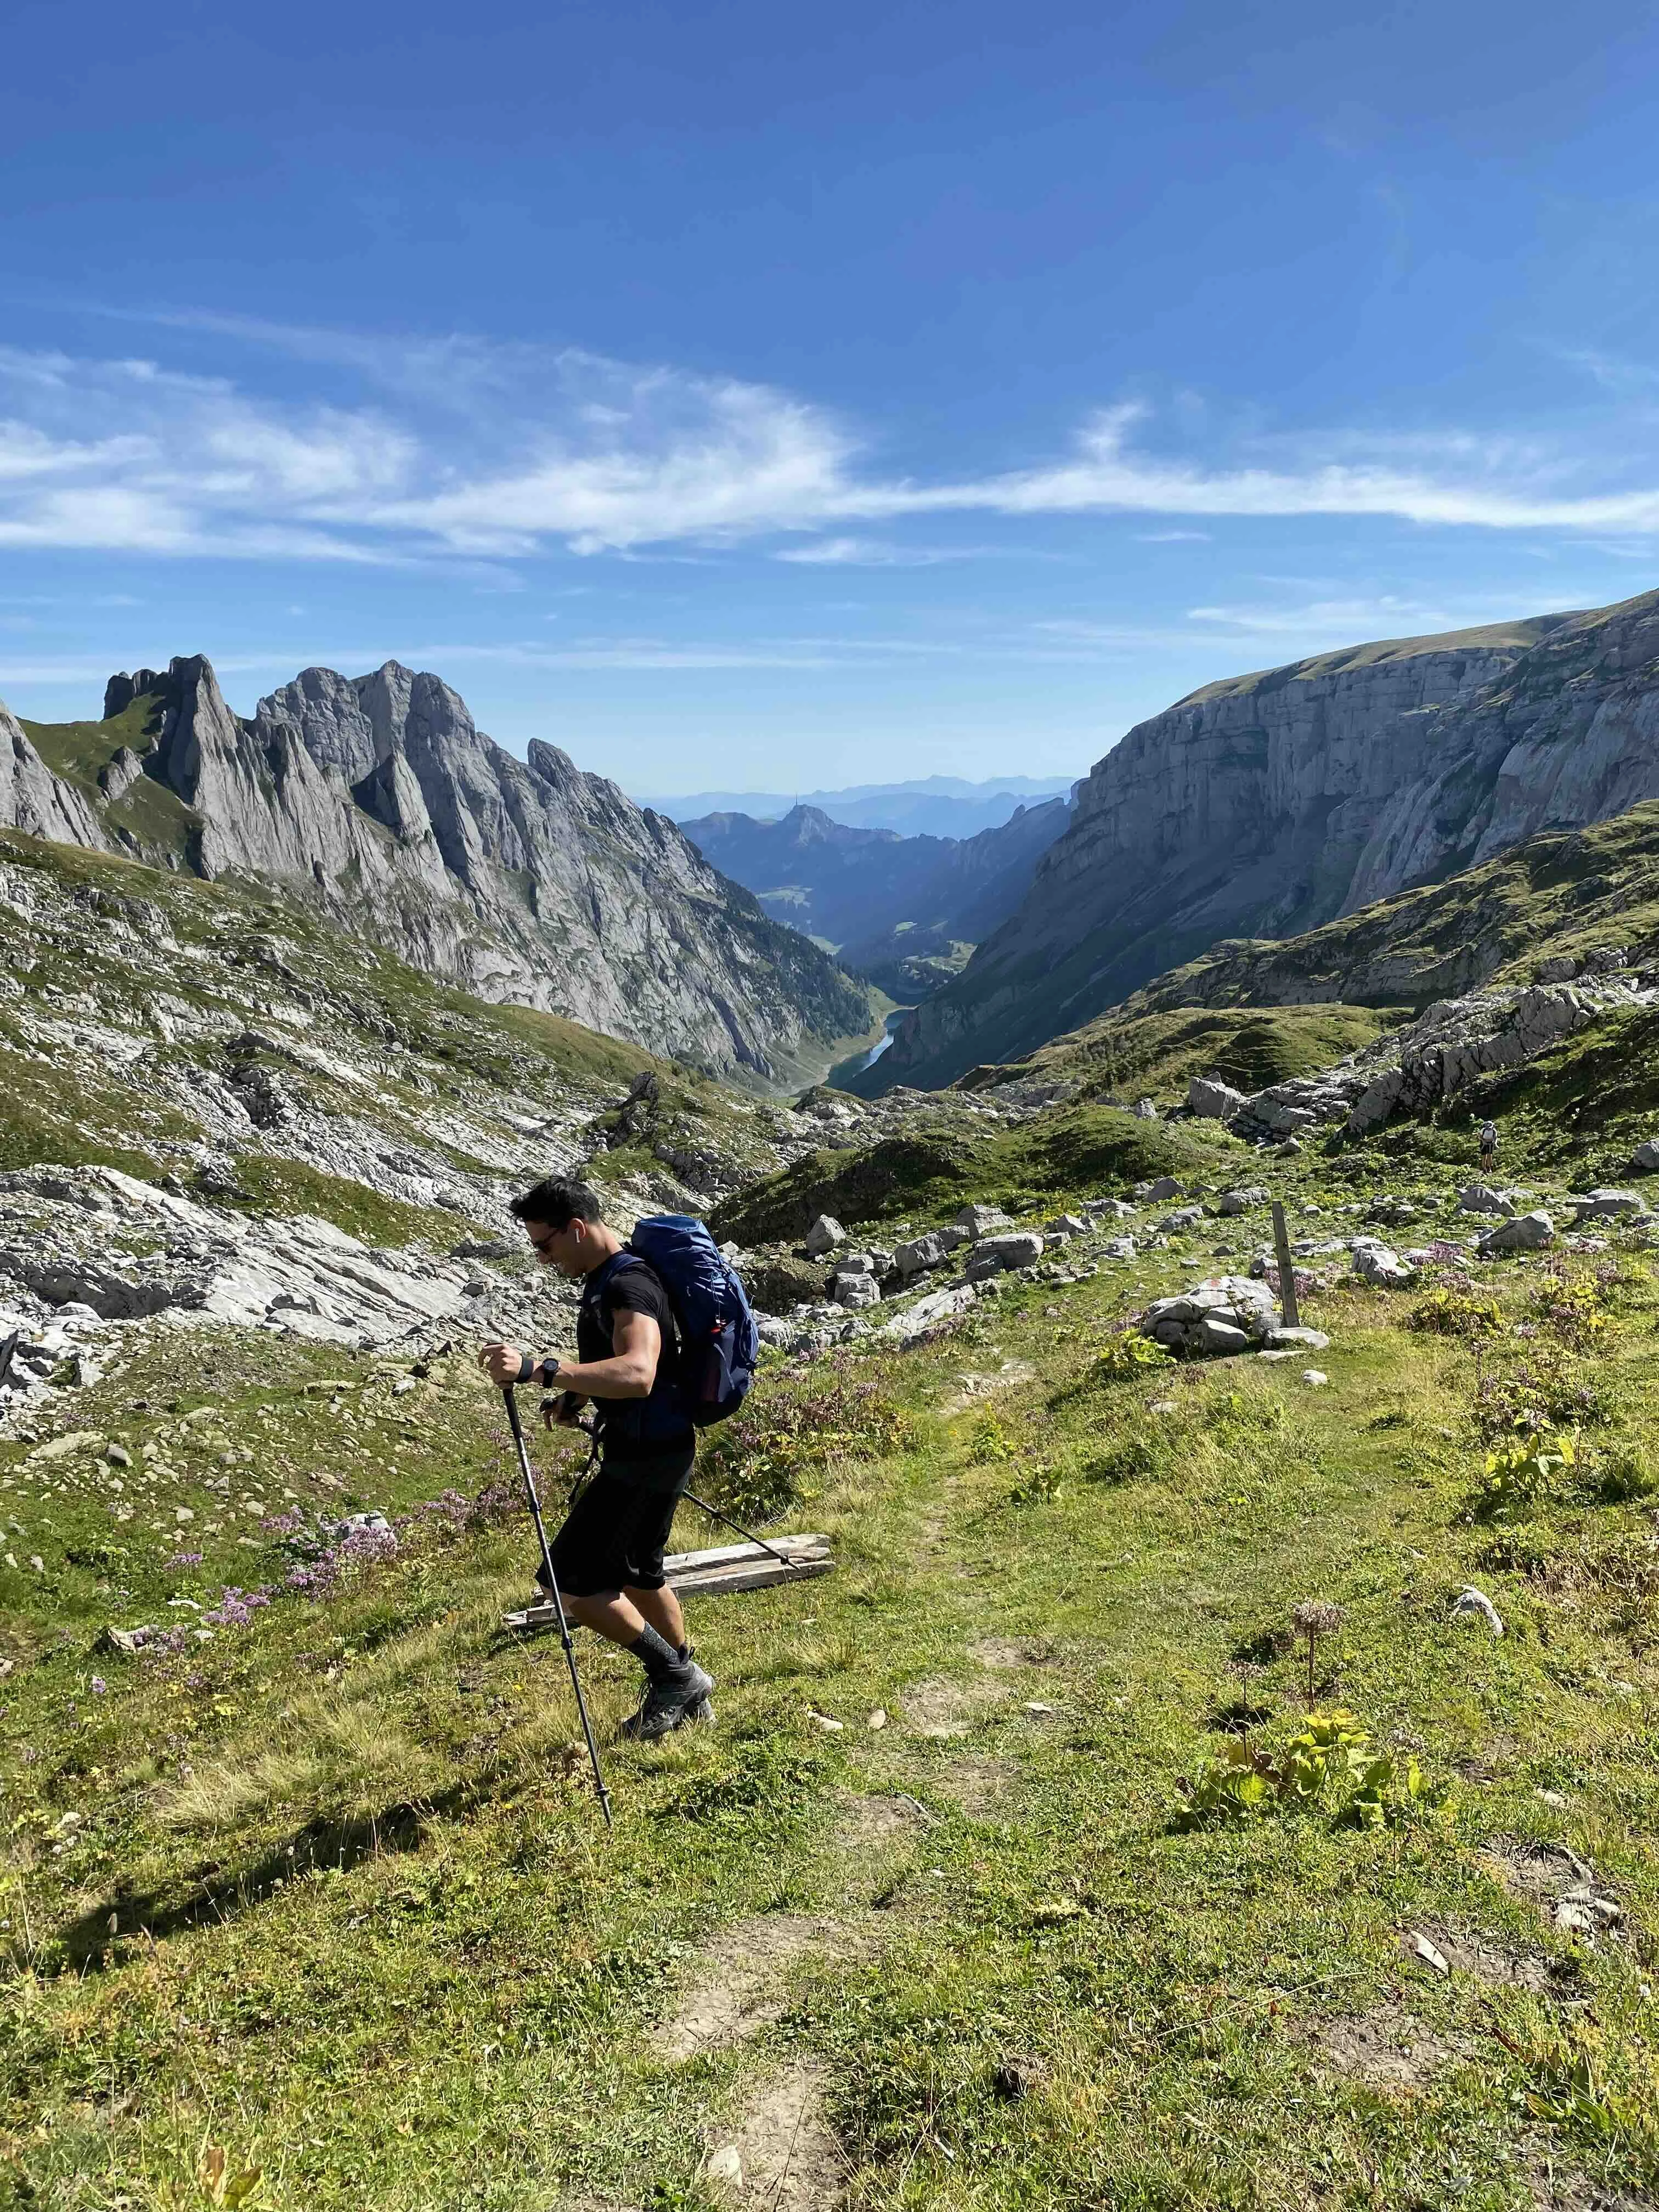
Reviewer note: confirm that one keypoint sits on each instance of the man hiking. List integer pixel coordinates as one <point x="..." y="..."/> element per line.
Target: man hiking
<point x="609" y="1554"/>
<point x="1488" y="1147"/>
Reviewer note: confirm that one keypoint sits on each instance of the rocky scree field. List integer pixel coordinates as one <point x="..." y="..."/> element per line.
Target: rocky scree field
<point x="1211" y="1781"/>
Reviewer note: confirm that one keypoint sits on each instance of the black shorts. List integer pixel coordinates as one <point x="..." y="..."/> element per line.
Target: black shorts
<point x="617" y="1532"/>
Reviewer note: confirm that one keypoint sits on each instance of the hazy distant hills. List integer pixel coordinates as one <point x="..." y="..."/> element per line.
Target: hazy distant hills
<point x="903" y="910"/>
<point x="935" y="805"/>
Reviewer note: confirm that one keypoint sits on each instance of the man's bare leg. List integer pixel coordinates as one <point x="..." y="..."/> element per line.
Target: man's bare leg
<point x="662" y="1609"/>
<point x="619" y="1616"/>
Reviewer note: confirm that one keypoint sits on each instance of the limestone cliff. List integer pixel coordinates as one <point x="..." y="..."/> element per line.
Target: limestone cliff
<point x="376" y="798"/>
<point x="1269" y="803"/>
<point x="31" y="797"/>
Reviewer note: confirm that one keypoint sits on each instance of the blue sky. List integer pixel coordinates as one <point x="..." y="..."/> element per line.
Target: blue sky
<point x="767" y="397"/>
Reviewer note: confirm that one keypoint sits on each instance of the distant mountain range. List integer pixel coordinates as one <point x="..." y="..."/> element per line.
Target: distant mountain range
<point x="905" y="911"/>
<point x="933" y="805"/>
<point x="1267" y="805"/>
<point x="377" y="801"/>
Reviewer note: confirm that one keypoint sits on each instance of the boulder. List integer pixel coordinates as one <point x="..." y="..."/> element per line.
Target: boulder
<point x="1161" y="1186"/>
<point x="1561" y="970"/>
<point x="1241" y="1201"/>
<point x="1065" y="1224"/>
<point x="1522" y="1232"/>
<point x="921" y="1254"/>
<point x="1213" y="1100"/>
<point x="1287" y="1339"/>
<point x="977" y="1221"/>
<point x="1607" y="1205"/>
<point x="855" y="1263"/>
<point x="1143" y="1110"/>
<point x="1212" y="1338"/>
<point x="996" y="1255"/>
<point x="1375" y="1264"/>
<point x="1646" y="1157"/>
<point x="1115" y="1209"/>
<point x="1119" y="1248"/>
<point x="1184" y="1217"/>
<point x="856" y="1290"/>
<point x="824" y="1235"/>
<point x="1481" y="1198"/>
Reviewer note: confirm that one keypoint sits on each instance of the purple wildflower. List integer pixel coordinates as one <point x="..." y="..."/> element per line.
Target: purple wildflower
<point x="98" y="1686"/>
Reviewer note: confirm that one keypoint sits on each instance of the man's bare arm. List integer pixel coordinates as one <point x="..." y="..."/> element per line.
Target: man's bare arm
<point x="636" y="1347"/>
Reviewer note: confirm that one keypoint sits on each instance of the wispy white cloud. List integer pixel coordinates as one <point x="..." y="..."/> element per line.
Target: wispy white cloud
<point x="878" y="553"/>
<point x="458" y="449"/>
<point x="1174" y="537"/>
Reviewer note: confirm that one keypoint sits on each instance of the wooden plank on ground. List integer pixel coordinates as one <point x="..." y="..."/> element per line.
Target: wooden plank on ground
<point x="723" y="1567"/>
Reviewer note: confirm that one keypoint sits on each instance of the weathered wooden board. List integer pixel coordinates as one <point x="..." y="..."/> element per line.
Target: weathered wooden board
<point x="723" y="1567"/>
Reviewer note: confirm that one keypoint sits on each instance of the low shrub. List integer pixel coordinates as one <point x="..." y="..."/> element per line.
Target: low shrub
<point x="1330" y="1766"/>
<point x="1455" y="1310"/>
<point x="1533" y="1466"/>
<point x="761" y="1460"/>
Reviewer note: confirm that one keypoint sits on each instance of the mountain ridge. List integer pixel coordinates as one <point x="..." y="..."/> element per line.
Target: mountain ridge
<point x="1267" y="805"/>
<point x="377" y="798"/>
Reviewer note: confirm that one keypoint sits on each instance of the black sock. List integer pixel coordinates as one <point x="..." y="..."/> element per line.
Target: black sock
<point x="656" y="1654"/>
<point x="682" y="1653"/>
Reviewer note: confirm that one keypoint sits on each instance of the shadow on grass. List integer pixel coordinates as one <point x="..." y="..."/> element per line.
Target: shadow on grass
<point x="214" y="1894"/>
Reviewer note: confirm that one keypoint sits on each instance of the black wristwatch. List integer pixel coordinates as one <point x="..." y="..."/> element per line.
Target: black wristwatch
<point x="549" y="1368"/>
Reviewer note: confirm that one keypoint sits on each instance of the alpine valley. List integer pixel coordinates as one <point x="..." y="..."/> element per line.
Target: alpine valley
<point x="1218" y="1770"/>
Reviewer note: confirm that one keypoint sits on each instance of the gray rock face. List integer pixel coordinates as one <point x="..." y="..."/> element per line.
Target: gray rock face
<point x="1458" y="1039"/>
<point x="1377" y="1265"/>
<point x="33" y="799"/>
<point x="981" y="1220"/>
<point x="1230" y="1314"/>
<point x="375" y="799"/>
<point x="1607" y="1205"/>
<point x="1524" y="1232"/>
<point x="1212" y="1100"/>
<point x="995" y="1254"/>
<point x="921" y="1254"/>
<point x="1264" y="805"/>
<point x="1481" y="1198"/>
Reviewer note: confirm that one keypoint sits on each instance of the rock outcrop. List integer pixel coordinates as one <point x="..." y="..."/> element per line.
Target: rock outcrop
<point x="376" y="799"/>
<point x="1271" y="804"/>
<point x="35" y="799"/>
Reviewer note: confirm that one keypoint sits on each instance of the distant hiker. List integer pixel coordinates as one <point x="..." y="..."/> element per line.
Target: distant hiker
<point x="609" y="1554"/>
<point x="1488" y="1145"/>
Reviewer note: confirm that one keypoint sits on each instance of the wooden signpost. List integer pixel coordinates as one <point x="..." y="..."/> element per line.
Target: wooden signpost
<point x="1287" y="1311"/>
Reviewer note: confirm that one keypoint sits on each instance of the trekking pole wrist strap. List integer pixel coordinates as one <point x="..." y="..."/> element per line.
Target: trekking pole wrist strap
<point x="526" y="1367"/>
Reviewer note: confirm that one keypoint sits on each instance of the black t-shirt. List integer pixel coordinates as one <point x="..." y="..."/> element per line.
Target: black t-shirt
<point x="627" y="1429"/>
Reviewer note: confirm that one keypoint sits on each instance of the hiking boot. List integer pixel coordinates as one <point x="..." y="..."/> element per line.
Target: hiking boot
<point x="668" y="1705"/>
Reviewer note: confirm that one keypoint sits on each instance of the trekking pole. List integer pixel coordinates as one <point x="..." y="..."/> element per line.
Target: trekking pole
<point x="513" y="1423"/>
<point x="727" y="1521"/>
<point x="701" y="1505"/>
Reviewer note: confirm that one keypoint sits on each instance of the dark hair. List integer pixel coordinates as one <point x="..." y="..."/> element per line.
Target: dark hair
<point x="557" y="1203"/>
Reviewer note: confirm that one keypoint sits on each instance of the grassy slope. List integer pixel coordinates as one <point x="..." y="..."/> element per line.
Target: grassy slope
<point x="1154" y="1055"/>
<point x="369" y="1936"/>
<point x="929" y="1173"/>
<point x="76" y="1108"/>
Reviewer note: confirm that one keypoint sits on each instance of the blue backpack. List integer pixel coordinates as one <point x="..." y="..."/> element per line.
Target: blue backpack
<point x="718" y="1349"/>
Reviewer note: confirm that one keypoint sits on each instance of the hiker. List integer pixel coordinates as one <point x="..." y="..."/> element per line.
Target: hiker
<point x="1488" y="1147"/>
<point x="609" y="1555"/>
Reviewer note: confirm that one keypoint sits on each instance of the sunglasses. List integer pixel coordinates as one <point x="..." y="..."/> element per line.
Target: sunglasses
<point x="544" y="1244"/>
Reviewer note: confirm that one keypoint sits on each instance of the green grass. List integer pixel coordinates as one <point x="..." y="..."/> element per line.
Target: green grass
<point x="370" y="1937"/>
<point x="1154" y="1055"/>
<point x="916" y="1176"/>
